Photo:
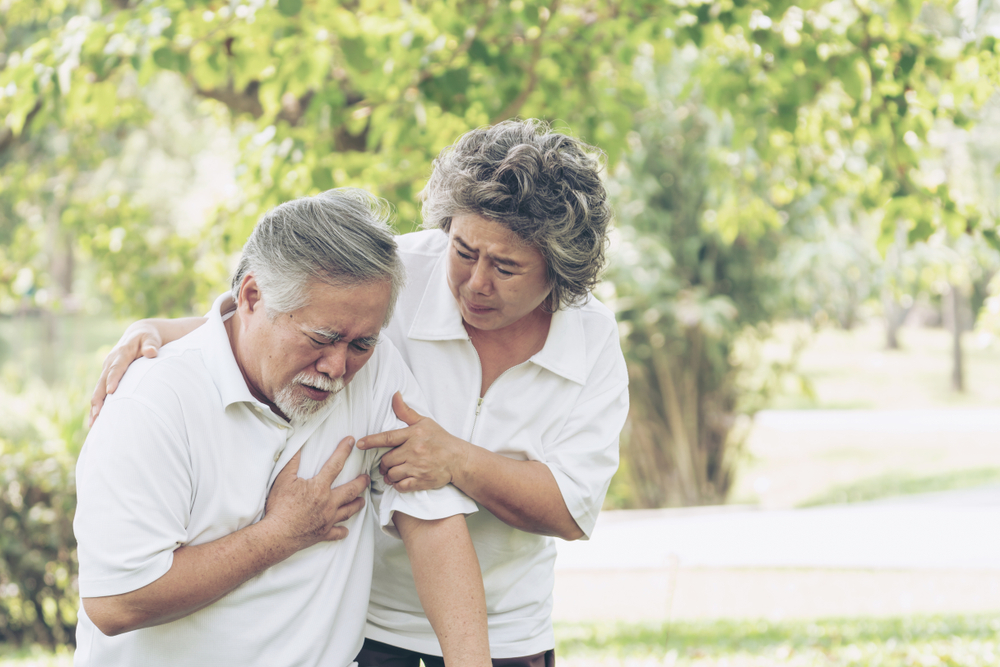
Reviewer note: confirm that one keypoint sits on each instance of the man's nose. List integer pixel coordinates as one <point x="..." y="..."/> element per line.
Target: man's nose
<point x="333" y="361"/>
<point x="480" y="280"/>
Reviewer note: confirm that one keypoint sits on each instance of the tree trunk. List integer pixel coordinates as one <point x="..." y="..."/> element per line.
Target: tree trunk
<point x="954" y="311"/>
<point x="61" y="267"/>
<point x="891" y="308"/>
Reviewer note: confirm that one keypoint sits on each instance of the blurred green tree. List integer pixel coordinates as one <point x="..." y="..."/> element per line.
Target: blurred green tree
<point x="353" y="93"/>
<point x="822" y="102"/>
<point x="821" y="107"/>
<point x="845" y="95"/>
<point x="692" y="305"/>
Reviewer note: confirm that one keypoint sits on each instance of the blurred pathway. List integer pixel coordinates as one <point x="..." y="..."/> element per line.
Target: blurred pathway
<point x="950" y="420"/>
<point x="933" y="553"/>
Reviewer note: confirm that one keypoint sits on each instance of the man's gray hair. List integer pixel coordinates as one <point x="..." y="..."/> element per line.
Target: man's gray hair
<point x="542" y="185"/>
<point x="339" y="237"/>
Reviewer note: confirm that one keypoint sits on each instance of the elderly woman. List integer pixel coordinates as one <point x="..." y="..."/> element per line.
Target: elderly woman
<point x="523" y="373"/>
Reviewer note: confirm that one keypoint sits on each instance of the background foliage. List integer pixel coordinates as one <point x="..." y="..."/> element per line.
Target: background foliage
<point x="823" y="159"/>
<point x="40" y="437"/>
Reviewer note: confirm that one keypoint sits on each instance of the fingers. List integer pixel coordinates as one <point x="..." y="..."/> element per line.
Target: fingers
<point x="291" y="468"/>
<point x="335" y="463"/>
<point x="393" y="457"/>
<point x="336" y="533"/>
<point x="97" y="401"/>
<point x="115" y="373"/>
<point x="134" y="344"/>
<point x="395" y="474"/>
<point x="402" y="479"/>
<point x="407" y="485"/>
<point x="349" y="501"/>
<point x="384" y="439"/>
<point x="404" y="411"/>
<point x="348" y="491"/>
<point x="100" y="393"/>
<point x="350" y="509"/>
<point x="121" y="357"/>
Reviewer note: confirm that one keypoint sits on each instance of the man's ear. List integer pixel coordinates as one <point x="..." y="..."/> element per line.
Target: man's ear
<point x="249" y="298"/>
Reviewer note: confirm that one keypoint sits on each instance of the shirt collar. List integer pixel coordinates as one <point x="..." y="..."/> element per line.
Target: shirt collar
<point x="565" y="349"/>
<point x="438" y="318"/>
<point x="217" y="352"/>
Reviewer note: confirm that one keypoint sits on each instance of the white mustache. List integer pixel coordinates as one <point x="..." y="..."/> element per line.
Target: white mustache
<point x="321" y="382"/>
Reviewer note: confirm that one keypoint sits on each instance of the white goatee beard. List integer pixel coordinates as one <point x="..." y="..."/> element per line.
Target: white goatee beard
<point x="296" y="405"/>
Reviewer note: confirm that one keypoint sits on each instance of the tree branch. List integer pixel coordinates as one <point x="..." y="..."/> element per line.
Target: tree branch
<point x="515" y="105"/>
<point x="7" y="136"/>
<point x="239" y="102"/>
<point x="466" y="43"/>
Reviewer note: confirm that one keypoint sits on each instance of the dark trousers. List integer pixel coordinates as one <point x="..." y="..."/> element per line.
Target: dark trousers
<point x="377" y="654"/>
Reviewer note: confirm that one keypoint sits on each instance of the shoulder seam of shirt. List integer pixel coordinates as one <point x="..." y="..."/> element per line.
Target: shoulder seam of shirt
<point x="165" y="363"/>
<point x="153" y="410"/>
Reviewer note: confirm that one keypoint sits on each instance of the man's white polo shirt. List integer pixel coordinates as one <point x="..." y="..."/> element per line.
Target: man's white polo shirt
<point x="182" y="454"/>
<point x="564" y="407"/>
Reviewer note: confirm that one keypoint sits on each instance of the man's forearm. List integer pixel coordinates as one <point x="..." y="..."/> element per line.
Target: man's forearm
<point x="199" y="576"/>
<point x="522" y="494"/>
<point x="450" y="585"/>
<point x="172" y="329"/>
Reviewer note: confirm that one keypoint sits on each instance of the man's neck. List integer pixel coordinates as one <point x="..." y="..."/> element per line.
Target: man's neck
<point x="234" y="331"/>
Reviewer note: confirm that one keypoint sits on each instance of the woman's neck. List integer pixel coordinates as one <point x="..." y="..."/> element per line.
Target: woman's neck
<point x="501" y="349"/>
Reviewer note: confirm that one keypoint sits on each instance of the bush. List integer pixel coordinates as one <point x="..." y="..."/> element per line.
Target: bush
<point x="41" y="432"/>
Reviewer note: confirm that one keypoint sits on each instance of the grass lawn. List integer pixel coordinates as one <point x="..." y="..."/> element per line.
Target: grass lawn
<point x="966" y="641"/>
<point x="35" y="656"/>
<point x="852" y="370"/>
<point x="898" y="484"/>
<point x="956" y="641"/>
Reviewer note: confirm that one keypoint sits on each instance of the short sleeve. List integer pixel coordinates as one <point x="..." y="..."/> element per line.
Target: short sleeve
<point x="393" y="376"/>
<point x="134" y="489"/>
<point x="584" y="456"/>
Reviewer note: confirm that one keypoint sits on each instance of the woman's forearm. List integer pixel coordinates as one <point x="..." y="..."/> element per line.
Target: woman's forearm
<point x="522" y="494"/>
<point x="450" y="585"/>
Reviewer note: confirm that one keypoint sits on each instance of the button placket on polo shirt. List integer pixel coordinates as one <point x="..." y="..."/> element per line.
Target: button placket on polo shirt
<point x="287" y="429"/>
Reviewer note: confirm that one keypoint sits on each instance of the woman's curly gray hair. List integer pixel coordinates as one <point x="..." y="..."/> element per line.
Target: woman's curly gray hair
<point x="543" y="186"/>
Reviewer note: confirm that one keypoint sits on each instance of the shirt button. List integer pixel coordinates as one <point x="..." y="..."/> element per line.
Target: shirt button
<point x="277" y="455"/>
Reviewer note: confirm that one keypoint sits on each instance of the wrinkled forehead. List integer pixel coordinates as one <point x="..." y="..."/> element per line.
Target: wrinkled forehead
<point x="358" y="309"/>
<point x="472" y="230"/>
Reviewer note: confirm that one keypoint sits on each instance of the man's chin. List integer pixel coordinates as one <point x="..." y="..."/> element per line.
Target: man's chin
<point x="299" y="405"/>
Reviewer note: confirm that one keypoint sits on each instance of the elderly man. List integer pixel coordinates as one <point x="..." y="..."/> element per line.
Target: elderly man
<point x="185" y="557"/>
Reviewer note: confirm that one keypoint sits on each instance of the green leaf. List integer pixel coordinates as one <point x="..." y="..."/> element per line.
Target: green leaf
<point x="289" y="7"/>
<point x="354" y="52"/>
<point x="322" y="178"/>
<point x="921" y="231"/>
<point x="478" y="51"/>
<point x="788" y="116"/>
<point x="907" y="59"/>
<point x="164" y="57"/>
<point x="992" y="238"/>
<point x="850" y="78"/>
